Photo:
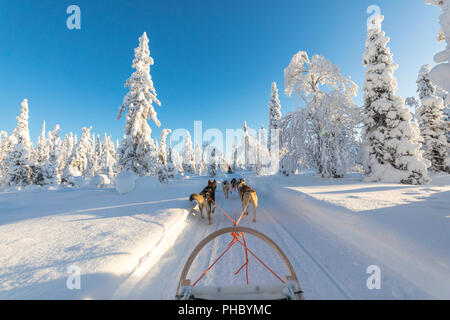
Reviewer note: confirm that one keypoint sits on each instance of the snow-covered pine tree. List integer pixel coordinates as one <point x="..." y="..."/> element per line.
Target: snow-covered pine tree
<point x="171" y="169"/>
<point x="66" y="151"/>
<point x="258" y="166"/>
<point x="163" y="175"/>
<point x="78" y="162"/>
<point x="249" y="148"/>
<point x="274" y="115"/>
<point x="19" y="160"/>
<point x="177" y="161"/>
<point x="441" y="93"/>
<point x="42" y="151"/>
<point x="50" y="170"/>
<point x="223" y="163"/>
<point x="108" y="158"/>
<point x="212" y="162"/>
<point x="98" y="156"/>
<point x="188" y="155"/>
<point x="138" y="152"/>
<point x="198" y="160"/>
<point x="440" y="75"/>
<point x="4" y="151"/>
<point x="391" y="141"/>
<point x="262" y="152"/>
<point x="432" y="127"/>
<point x="91" y="167"/>
<point x="163" y="148"/>
<point x="235" y="162"/>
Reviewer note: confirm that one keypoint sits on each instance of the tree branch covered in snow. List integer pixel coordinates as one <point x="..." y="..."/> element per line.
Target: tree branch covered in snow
<point x="322" y="133"/>
<point x="440" y="74"/>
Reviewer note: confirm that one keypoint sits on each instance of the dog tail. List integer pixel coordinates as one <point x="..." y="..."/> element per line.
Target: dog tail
<point x="196" y="197"/>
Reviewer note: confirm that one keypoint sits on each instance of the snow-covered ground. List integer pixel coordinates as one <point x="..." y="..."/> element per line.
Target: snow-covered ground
<point x="134" y="246"/>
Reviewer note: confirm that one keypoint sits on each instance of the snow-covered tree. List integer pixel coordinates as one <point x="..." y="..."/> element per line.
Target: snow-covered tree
<point x="188" y="155"/>
<point x="4" y="151"/>
<point x="391" y="141"/>
<point x="294" y="148"/>
<point x="163" y="148"/>
<point x="274" y="115"/>
<point x="67" y="146"/>
<point x="177" y="161"/>
<point x="41" y="151"/>
<point x="97" y="155"/>
<point x="235" y="162"/>
<point x="212" y="161"/>
<point x="79" y="161"/>
<point x="138" y="151"/>
<point x="440" y="75"/>
<point x="19" y="160"/>
<point x="50" y="171"/>
<point x="170" y="166"/>
<point x="199" y="162"/>
<point x="262" y="153"/>
<point x="431" y="125"/>
<point x="163" y="175"/>
<point x="108" y="158"/>
<point x="322" y="132"/>
<point x="441" y="93"/>
<point x="249" y="149"/>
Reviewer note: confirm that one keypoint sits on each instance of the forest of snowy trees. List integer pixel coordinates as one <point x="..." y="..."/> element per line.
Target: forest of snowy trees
<point x="327" y="133"/>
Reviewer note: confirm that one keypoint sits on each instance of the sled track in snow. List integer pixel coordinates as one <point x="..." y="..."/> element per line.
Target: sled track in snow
<point x="319" y="265"/>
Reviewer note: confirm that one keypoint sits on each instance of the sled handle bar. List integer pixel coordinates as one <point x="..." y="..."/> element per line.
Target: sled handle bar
<point x="291" y="277"/>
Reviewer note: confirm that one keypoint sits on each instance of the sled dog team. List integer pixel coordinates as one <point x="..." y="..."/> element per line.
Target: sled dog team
<point x="207" y="197"/>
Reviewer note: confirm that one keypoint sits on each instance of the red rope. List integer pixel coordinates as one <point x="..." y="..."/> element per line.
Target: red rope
<point x="235" y="223"/>
<point x="254" y="255"/>
<point x="232" y="242"/>
<point x="212" y="265"/>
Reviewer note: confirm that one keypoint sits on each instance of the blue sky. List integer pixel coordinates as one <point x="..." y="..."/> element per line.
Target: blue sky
<point x="215" y="60"/>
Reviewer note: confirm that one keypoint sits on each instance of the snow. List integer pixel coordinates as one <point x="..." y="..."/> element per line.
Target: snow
<point x="125" y="182"/>
<point x="440" y="73"/>
<point x="133" y="246"/>
<point x="43" y="232"/>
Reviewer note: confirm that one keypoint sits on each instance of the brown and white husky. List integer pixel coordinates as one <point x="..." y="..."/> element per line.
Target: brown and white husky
<point x="206" y="199"/>
<point x="248" y="196"/>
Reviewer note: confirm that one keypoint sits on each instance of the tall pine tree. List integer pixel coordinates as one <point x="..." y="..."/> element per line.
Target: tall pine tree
<point x="19" y="160"/>
<point x="432" y="127"/>
<point x="138" y="152"/>
<point x="391" y="140"/>
<point x="274" y="116"/>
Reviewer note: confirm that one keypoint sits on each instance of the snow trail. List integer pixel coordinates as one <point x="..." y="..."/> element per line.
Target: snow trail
<point x="327" y="246"/>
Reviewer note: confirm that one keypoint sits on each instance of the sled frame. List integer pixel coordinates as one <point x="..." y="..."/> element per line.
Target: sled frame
<point x="292" y="277"/>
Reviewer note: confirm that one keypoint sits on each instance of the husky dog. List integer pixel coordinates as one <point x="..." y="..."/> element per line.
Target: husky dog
<point x="233" y="184"/>
<point x="225" y="188"/>
<point x="247" y="196"/>
<point x="206" y="198"/>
